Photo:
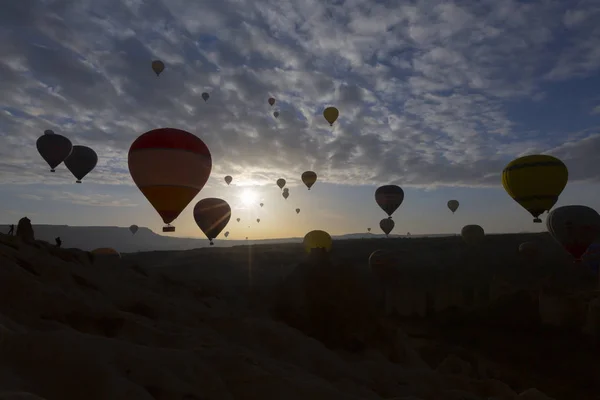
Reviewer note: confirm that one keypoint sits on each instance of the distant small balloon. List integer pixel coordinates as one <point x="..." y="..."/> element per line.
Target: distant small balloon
<point x="297" y="211"/>
<point x="158" y="67"/>
<point x="205" y="96"/>
<point x="453" y="205"/>
<point x="276" y="114"/>
<point x="133" y="229"/>
<point x="227" y="234"/>
<point x="258" y="220"/>
<point x="331" y="115"/>
<point x="368" y="229"/>
<point x="262" y="204"/>
<point x="238" y="220"/>
<point x="285" y="195"/>
<point x="281" y="183"/>
<point x="228" y="179"/>
<point x="271" y="101"/>
<point x="386" y="225"/>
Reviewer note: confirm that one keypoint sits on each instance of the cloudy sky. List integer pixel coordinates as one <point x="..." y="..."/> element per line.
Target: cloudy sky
<point x="435" y="96"/>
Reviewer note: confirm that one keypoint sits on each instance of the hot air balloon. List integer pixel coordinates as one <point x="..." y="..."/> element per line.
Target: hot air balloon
<point x="105" y="256"/>
<point x="386" y="225"/>
<point x="331" y="115"/>
<point x="228" y="179"/>
<point x="271" y="101"/>
<point x="574" y="227"/>
<point x="205" y="96"/>
<point x="383" y="264"/>
<point x="170" y="167"/>
<point x="317" y="240"/>
<point x="276" y="114"/>
<point x="285" y="195"/>
<point x="297" y="211"/>
<point x="286" y="189"/>
<point x="227" y="234"/>
<point x="262" y="204"/>
<point x="238" y="220"/>
<point x="257" y="219"/>
<point x="529" y="250"/>
<point x="453" y="205"/>
<point x="535" y="182"/>
<point x="211" y="216"/>
<point x="133" y="229"/>
<point x="53" y="148"/>
<point x="81" y="161"/>
<point x="281" y="183"/>
<point x="472" y="234"/>
<point x="389" y="198"/>
<point x="309" y="178"/>
<point x="368" y="229"/>
<point x="158" y="67"/>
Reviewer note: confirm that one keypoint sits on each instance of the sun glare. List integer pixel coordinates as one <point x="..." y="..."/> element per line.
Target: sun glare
<point x="248" y="197"/>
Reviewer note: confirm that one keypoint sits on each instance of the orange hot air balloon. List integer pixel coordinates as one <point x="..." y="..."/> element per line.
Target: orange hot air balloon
<point x="170" y="167"/>
<point x="271" y="101"/>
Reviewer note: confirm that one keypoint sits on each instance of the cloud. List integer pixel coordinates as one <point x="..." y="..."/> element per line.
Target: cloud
<point x="424" y="89"/>
<point x="95" y="200"/>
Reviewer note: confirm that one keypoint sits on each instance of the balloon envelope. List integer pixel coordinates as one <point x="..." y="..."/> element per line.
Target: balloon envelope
<point x="276" y="114"/>
<point x="309" y="178"/>
<point x="331" y="114"/>
<point x="472" y="234"/>
<point x="271" y="101"/>
<point x="453" y="205"/>
<point x="81" y="161"/>
<point x="297" y="211"/>
<point x="158" y="67"/>
<point x="383" y="263"/>
<point x="262" y="204"/>
<point x="238" y="220"/>
<point x="389" y="198"/>
<point x="535" y="182"/>
<point x="386" y="225"/>
<point x="53" y="148"/>
<point x="212" y="216"/>
<point x="285" y="195"/>
<point x="574" y="227"/>
<point x="205" y="96"/>
<point x="170" y="167"/>
<point x="226" y="233"/>
<point x="133" y="229"/>
<point x="228" y="179"/>
<point x="317" y="239"/>
<point x="281" y="183"/>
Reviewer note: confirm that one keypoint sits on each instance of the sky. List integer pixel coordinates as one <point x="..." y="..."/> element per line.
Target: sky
<point x="434" y="96"/>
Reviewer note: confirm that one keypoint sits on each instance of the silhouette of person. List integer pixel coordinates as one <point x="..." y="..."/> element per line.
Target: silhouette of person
<point x="11" y="231"/>
<point x="58" y="242"/>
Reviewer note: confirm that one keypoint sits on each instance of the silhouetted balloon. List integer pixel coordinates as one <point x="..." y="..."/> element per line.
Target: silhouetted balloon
<point x="574" y="227"/>
<point x="472" y="234"/>
<point x="158" y="67"/>
<point x="81" y="161"/>
<point x="309" y="178"/>
<point x="271" y="101"/>
<point x="286" y="189"/>
<point x="297" y="211"/>
<point x="331" y="115"/>
<point x="317" y="239"/>
<point x="383" y="264"/>
<point x="238" y="220"/>
<point x="281" y="183"/>
<point x="205" y="96"/>
<point x="389" y="198"/>
<point x="276" y="114"/>
<point x="368" y="229"/>
<point x="453" y="205"/>
<point x="211" y="216"/>
<point x="133" y="229"/>
<point x="228" y="179"/>
<point x="53" y="148"/>
<point x="170" y="167"/>
<point x="227" y="234"/>
<point x="529" y="250"/>
<point x="262" y="204"/>
<point x="535" y="182"/>
<point x="285" y="195"/>
<point x="386" y="225"/>
<point x="257" y="219"/>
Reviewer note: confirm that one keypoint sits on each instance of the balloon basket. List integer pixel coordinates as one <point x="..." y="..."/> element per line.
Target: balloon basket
<point x="168" y="229"/>
<point x="52" y="170"/>
<point x="77" y="181"/>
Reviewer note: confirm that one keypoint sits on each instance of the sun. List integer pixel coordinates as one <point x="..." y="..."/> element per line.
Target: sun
<point x="248" y="197"/>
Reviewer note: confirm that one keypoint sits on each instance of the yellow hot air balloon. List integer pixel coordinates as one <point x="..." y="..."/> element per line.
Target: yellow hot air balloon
<point x="158" y="67"/>
<point x="535" y="182"/>
<point x="317" y="240"/>
<point x="331" y="114"/>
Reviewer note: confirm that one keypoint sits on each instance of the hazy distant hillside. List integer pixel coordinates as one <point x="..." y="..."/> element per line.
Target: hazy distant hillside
<point x="121" y="239"/>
